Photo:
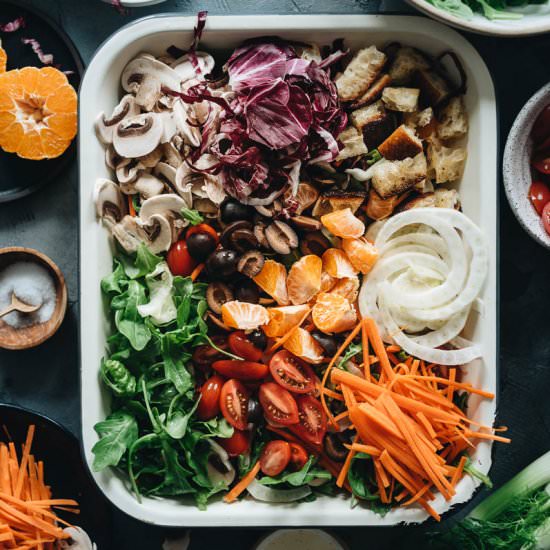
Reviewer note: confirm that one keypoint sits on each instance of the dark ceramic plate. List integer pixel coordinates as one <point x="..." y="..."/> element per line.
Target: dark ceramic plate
<point x="64" y="469"/>
<point x="19" y="177"/>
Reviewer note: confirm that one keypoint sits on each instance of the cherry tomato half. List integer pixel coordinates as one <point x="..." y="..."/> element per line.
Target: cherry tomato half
<point x="237" y="444"/>
<point x="179" y="260"/>
<point x="298" y="456"/>
<point x="546" y="217"/>
<point x="240" y="345"/>
<point x="202" y="228"/>
<point x="541" y="127"/>
<point x="241" y="370"/>
<point x="539" y="193"/>
<point x="541" y="162"/>
<point x="313" y="422"/>
<point x="292" y="373"/>
<point x="209" y="405"/>
<point x="234" y="404"/>
<point x="275" y="457"/>
<point x="278" y="404"/>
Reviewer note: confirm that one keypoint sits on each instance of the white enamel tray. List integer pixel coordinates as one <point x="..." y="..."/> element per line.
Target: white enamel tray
<point x="100" y="92"/>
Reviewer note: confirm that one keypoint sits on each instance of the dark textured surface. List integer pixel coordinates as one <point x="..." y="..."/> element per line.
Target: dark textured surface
<point x="46" y="379"/>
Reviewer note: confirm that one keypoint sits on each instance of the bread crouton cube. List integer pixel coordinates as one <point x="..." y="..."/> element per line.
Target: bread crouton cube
<point x="402" y="143"/>
<point x="401" y="99"/>
<point x="453" y="120"/>
<point x="360" y="73"/>
<point x="446" y="164"/>
<point x="374" y="92"/>
<point x="406" y="62"/>
<point x="424" y="122"/>
<point x="397" y="176"/>
<point x="433" y="88"/>
<point x="365" y="115"/>
<point x="352" y="140"/>
<point x="447" y="198"/>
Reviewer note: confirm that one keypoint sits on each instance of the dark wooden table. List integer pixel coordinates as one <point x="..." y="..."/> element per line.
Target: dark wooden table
<point x="47" y="378"/>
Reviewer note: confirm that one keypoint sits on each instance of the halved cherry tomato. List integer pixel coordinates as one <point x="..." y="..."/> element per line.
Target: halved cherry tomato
<point x="209" y="405"/>
<point x="546" y="218"/>
<point x="240" y="345"/>
<point x="541" y="162"/>
<point x="237" y="444"/>
<point x="278" y="404"/>
<point x="179" y="260"/>
<point x="541" y="127"/>
<point x="298" y="456"/>
<point x="313" y="423"/>
<point x="202" y="228"/>
<point x="234" y="404"/>
<point x="241" y="370"/>
<point x="292" y="373"/>
<point x="275" y="457"/>
<point x="539" y="193"/>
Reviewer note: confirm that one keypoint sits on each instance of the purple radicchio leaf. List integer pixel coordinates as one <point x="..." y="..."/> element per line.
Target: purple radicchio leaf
<point x="197" y="94"/>
<point x="14" y="25"/>
<point x="278" y="115"/>
<point x="197" y="34"/>
<point x="45" y="58"/>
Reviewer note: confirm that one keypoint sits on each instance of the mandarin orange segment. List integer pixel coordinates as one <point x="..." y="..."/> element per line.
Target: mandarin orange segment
<point x="304" y="279"/>
<point x="244" y="315"/>
<point x="283" y="319"/>
<point x="348" y="288"/>
<point x="304" y="346"/>
<point x="343" y="223"/>
<point x="272" y="280"/>
<point x="327" y="281"/>
<point x="336" y="263"/>
<point x="3" y="60"/>
<point x="38" y="109"/>
<point x="361" y="253"/>
<point x="333" y="313"/>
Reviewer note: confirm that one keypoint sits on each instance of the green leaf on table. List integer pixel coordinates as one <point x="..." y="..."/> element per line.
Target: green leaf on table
<point x="117" y="433"/>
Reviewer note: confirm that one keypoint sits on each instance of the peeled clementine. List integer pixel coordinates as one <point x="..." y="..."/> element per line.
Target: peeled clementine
<point x="272" y="280"/>
<point x="336" y="263"/>
<point x="361" y="253"/>
<point x="304" y="346"/>
<point x="304" y="279"/>
<point x="283" y="319"/>
<point x="243" y="315"/>
<point x="343" y="223"/>
<point x="37" y="112"/>
<point x="3" y="60"/>
<point x="347" y="287"/>
<point x="333" y="313"/>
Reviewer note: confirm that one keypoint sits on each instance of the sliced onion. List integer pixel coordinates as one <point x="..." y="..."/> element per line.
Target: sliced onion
<point x="268" y="494"/>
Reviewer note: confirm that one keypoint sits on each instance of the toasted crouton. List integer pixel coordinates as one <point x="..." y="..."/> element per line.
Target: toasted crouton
<point x="425" y="200"/>
<point x="402" y="143"/>
<point x="446" y="164"/>
<point x="447" y="198"/>
<point x="360" y="73"/>
<point x="395" y="177"/>
<point x="433" y="88"/>
<point x="453" y="120"/>
<point x="352" y="139"/>
<point x="365" y="115"/>
<point x="401" y="99"/>
<point x="406" y="62"/>
<point x="424" y="122"/>
<point x="373" y="93"/>
<point x="374" y="122"/>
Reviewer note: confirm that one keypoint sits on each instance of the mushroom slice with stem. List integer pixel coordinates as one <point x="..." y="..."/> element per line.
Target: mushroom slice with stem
<point x="144" y="65"/>
<point x="148" y="92"/>
<point x="78" y="540"/>
<point x="112" y="159"/>
<point x="138" y="136"/>
<point x="168" y="173"/>
<point x="169" y="127"/>
<point x="185" y="69"/>
<point x="168" y="205"/>
<point x="130" y="232"/>
<point x="171" y="154"/>
<point x="127" y="171"/>
<point x="110" y="204"/>
<point x="152" y="159"/>
<point x="105" y="126"/>
<point x="147" y="185"/>
<point x="191" y="134"/>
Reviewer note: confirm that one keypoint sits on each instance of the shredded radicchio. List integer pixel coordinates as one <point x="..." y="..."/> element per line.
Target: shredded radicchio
<point x="14" y="25"/>
<point x="45" y="58"/>
<point x="117" y="4"/>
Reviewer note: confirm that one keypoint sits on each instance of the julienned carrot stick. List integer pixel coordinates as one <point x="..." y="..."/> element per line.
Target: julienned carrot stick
<point x="365" y="345"/>
<point x="243" y="483"/>
<point x="196" y="272"/>
<point x="280" y="341"/>
<point x="459" y="470"/>
<point x="378" y="347"/>
<point x="24" y="460"/>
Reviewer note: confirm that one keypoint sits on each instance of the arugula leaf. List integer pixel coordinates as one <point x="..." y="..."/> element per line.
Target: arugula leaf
<point x="360" y="477"/>
<point x="352" y="350"/>
<point x="128" y="321"/>
<point x="299" y="478"/>
<point x="117" y="377"/>
<point x="192" y="216"/>
<point x="177" y="421"/>
<point x="176" y="372"/>
<point x="144" y="262"/>
<point x="111" y="284"/>
<point x="216" y="427"/>
<point x="117" y="433"/>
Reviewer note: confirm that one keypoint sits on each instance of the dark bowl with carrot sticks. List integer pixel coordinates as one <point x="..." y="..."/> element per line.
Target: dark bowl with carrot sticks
<point x="43" y="483"/>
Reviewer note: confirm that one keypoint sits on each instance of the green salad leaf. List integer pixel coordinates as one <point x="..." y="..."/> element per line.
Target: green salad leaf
<point x="117" y="432"/>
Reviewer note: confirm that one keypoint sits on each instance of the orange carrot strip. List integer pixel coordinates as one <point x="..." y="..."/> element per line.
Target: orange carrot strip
<point x="426" y="423"/>
<point x="451" y="386"/>
<point x="481" y="435"/>
<point x="378" y="347"/>
<point x="383" y="476"/>
<point x="280" y="341"/>
<point x="361" y="448"/>
<point x="131" y="208"/>
<point x="196" y="272"/>
<point x="393" y="348"/>
<point x="380" y="482"/>
<point x="24" y="460"/>
<point x="341" y="416"/>
<point x="365" y="344"/>
<point x="457" y="385"/>
<point x="345" y="468"/>
<point x="418" y="495"/>
<point x="243" y="483"/>
<point x="332" y="394"/>
<point x="458" y="472"/>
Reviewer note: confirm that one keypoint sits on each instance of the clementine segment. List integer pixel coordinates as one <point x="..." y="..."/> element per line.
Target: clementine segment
<point x="304" y="279"/>
<point x="336" y="263"/>
<point x="304" y="346"/>
<point x="348" y="288"/>
<point x="272" y="280"/>
<point x="361" y="253"/>
<point x="283" y="319"/>
<point x="3" y="60"/>
<point x="37" y="112"/>
<point x="327" y="281"/>
<point x="343" y="223"/>
<point x="243" y="315"/>
<point x="333" y="313"/>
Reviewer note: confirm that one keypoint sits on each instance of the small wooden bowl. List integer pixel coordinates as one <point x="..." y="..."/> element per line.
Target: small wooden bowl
<point x="29" y="337"/>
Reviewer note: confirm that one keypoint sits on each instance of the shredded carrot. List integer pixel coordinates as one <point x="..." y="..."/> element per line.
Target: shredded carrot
<point x="280" y="341"/>
<point x="196" y="272"/>
<point x="243" y="483"/>
<point x="365" y="344"/>
<point x="131" y="208"/>
<point x="393" y="349"/>
<point x="458" y="472"/>
<point x="345" y="468"/>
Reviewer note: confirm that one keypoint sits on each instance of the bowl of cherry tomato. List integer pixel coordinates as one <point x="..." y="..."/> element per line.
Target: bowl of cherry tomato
<point x="526" y="167"/>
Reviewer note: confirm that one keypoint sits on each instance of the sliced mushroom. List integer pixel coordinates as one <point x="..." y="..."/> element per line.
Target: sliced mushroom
<point x="127" y="172"/>
<point x="110" y="204"/>
<point x="214" y="189"/>
<point x="146" y="65"/>
<point x="188" y="180"/>
<point x="148" y="186"/>
<point x="168" y="173"/>
<point x="281" y="237"/>
<point x="306" y="195"/>
<point x="169" y="128"/>
<point x="138" y="136"/>
<point x="105" y="126"/>
<point x="191" y="134"/>
<point x="171" y="154"/>
<point x="169" y="206"/>
<point x="130" y="232"/>
<point x="186" y="70"/>
<point x="148" y="92"/>
<point x="152" y="159"/>
<point x="205" y="207"/>
<point x="78" y="540"/>
<point x="112" y="159"/>
<point x="306" y="223"/>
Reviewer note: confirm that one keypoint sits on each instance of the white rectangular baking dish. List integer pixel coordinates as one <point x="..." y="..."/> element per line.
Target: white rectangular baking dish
<point x="100" y="92"/>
